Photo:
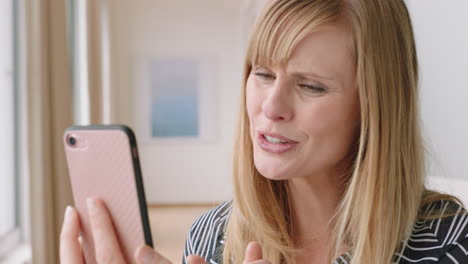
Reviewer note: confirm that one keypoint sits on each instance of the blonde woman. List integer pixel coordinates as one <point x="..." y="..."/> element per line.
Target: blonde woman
<point x="329" y="158"/>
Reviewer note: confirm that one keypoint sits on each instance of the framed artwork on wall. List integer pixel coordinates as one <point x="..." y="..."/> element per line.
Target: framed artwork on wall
<point x="176" y="99"/>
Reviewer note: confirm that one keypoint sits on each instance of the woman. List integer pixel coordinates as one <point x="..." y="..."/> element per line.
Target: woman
<point x="329" y="158"/>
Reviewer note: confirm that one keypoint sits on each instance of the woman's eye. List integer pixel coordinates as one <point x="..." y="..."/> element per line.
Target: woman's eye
<point x="313" y="88"/>
<point x="264" y="76"/>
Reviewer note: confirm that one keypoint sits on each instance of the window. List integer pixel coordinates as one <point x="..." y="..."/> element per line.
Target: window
<point x="9" y="220"/>
<point x="14" y="228"/>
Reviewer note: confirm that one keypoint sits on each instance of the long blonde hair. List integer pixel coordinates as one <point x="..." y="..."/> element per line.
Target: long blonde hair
<point x="385" y="187"/>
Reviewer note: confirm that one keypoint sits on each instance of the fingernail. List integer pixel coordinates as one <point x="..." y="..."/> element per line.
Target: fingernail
<point x="68" y="212"/>
<point x="92" y="205"/>
<point x="146" y="255"/>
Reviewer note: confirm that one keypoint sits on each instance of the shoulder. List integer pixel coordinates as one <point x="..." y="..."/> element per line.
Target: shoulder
<point x="438" y="239"/>
<point x="206" y="235"/>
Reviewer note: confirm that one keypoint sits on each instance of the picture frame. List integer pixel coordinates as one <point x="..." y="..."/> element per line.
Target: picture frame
<point x="176" y="99"/>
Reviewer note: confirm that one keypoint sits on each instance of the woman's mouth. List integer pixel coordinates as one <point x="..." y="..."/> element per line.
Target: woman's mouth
<point x="274" y="140"/>
<point x="274" y="144"/>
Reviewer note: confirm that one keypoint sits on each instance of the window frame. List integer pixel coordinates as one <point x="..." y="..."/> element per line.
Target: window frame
<point x="18" y="238"/>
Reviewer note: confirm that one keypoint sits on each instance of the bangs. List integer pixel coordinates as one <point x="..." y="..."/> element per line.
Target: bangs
<point x="284" y="23"/>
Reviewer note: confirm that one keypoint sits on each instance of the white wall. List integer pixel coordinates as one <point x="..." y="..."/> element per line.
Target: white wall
<point x="191" y="171"/>
<point x="451" y="185"/>
<point x="441" y="29"/>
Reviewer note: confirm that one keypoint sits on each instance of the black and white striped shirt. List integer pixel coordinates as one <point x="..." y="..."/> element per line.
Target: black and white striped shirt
<point x="440" y="240"/>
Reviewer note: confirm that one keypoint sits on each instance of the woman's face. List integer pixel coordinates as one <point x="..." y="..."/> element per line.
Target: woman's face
<point x="311" y="105"/>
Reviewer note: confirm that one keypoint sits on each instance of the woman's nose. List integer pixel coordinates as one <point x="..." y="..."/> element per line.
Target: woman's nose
<point x="277" y="104"/>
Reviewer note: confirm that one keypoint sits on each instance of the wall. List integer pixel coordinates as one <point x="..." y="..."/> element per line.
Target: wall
<point x="441" y="30"/>
<point x="181" y="172"/>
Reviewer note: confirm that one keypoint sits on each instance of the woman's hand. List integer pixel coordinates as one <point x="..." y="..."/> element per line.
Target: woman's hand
<point x="253" y="255"/>
<point x="107" y="247"/>
<point x="105" y="240"/>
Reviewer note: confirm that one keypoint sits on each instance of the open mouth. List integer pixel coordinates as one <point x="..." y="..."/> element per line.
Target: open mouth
<point x="274" y="144"/>
<point x="274" y="140"/>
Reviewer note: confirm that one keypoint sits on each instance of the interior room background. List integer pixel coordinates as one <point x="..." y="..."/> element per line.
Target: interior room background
<point x="87" y="62"/>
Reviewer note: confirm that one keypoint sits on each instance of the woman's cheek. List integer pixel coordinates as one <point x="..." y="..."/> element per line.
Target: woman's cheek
<point x="253" y="99"/>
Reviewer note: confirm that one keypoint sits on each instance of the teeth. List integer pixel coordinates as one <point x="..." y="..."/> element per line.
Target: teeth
<point x="274" y="140"/>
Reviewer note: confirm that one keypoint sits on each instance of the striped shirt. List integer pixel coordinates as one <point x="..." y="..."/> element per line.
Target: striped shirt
<point x="440" y="240"/>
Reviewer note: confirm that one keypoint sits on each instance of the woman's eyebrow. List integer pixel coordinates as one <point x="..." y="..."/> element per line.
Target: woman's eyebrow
<point x="256" y="67"/>
<point x="311" y="74"/>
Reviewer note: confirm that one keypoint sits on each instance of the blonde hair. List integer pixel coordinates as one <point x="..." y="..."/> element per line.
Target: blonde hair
<point x="385" y="187"/>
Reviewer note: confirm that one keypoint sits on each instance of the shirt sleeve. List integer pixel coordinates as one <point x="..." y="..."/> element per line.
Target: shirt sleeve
<point x="206" y="234"/>
<point x="188" y="250"/>
<point x="457" y="253"/>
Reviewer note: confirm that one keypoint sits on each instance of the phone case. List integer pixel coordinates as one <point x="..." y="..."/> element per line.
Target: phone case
<point x="103" y="162"/>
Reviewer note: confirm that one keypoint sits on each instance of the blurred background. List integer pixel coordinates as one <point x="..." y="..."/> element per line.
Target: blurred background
<point x="170" y="69"/>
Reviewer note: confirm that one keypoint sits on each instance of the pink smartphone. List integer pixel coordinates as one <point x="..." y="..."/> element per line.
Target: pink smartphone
<point x="103" y="162"/>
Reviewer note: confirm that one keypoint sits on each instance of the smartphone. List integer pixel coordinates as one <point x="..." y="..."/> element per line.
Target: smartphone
<point x="103" y="162"/>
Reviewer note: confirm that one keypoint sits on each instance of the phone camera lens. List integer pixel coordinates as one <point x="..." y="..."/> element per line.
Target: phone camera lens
<point x="72" y="141"/>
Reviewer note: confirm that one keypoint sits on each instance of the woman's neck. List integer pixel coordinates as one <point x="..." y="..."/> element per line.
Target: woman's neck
<point x="313" y="204"/>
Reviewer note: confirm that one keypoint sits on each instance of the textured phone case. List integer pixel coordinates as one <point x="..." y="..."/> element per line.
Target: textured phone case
<point x="104" y="163"/>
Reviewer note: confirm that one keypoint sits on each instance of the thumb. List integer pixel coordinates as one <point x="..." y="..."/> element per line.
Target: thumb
<point x="253" y="252"/>
<point x="194" y="259"/>
<point x="147" y="255"/>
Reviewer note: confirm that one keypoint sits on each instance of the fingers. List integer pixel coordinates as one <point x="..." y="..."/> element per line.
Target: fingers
<point x="105" y="240"/>
<point x="193" y="259"/>
<point x="70" y="249"/>
<point x="253" y="255"/>
<point x="262" y="261"/>
<point x="147" y="255"/>
<point x="253" y="252"/>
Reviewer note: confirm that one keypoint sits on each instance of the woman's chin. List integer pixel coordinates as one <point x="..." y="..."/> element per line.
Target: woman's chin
<point x="276" y="178"/>
<point x="274" y="174"/>
<point x="274" y="167"/>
